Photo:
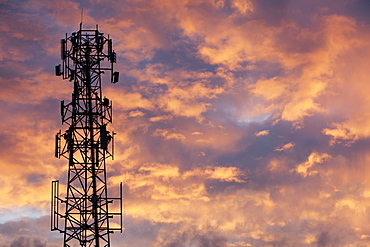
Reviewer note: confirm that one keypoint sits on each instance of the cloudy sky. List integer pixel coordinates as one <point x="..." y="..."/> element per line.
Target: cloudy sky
<point x="239" y="122"/>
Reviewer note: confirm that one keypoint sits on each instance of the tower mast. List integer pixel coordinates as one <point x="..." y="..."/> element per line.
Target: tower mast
<point x="86" y="55"/>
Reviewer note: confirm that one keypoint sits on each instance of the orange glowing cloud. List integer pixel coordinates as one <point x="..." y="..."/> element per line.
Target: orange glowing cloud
<point x="305" y="170"/>
<point x="262" y="133"/>
<point x="298" y="95"/>
<point x="349" y="131"/>
<point x="169" y="134"/>
<point x="165" y="185"/>
<point x="285" y="146"/>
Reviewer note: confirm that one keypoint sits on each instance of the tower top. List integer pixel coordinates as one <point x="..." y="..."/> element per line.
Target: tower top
<point x="82" y="17"/>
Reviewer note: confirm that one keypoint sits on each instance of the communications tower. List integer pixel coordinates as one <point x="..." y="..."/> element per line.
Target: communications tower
<point x="87" y="57"/>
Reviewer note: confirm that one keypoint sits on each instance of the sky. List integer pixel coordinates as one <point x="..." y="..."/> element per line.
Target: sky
<point x="239" y="122"/>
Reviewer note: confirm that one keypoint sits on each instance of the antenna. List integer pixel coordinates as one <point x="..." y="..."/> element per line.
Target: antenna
<point x="82" y="17"/>
<point x="86" y="144"/>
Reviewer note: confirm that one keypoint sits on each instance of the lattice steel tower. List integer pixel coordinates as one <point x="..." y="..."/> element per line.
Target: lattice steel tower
<point x="87" y="55"/>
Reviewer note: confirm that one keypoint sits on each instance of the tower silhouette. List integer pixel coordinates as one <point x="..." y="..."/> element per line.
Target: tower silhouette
<point x="87" y="57"/>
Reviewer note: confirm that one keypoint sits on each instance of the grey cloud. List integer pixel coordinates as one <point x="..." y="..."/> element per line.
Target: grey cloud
<point x="198" y="239"/>
<point x="28" y="242"/>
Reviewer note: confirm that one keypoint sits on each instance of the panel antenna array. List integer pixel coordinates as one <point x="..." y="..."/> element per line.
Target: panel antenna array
<point x="86" y="55"/>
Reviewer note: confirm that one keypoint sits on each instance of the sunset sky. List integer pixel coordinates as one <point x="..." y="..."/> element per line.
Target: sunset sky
<point x="239" y="122"/>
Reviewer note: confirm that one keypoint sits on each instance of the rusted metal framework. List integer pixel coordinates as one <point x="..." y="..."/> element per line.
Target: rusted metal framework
<point x="87" y="55"/>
